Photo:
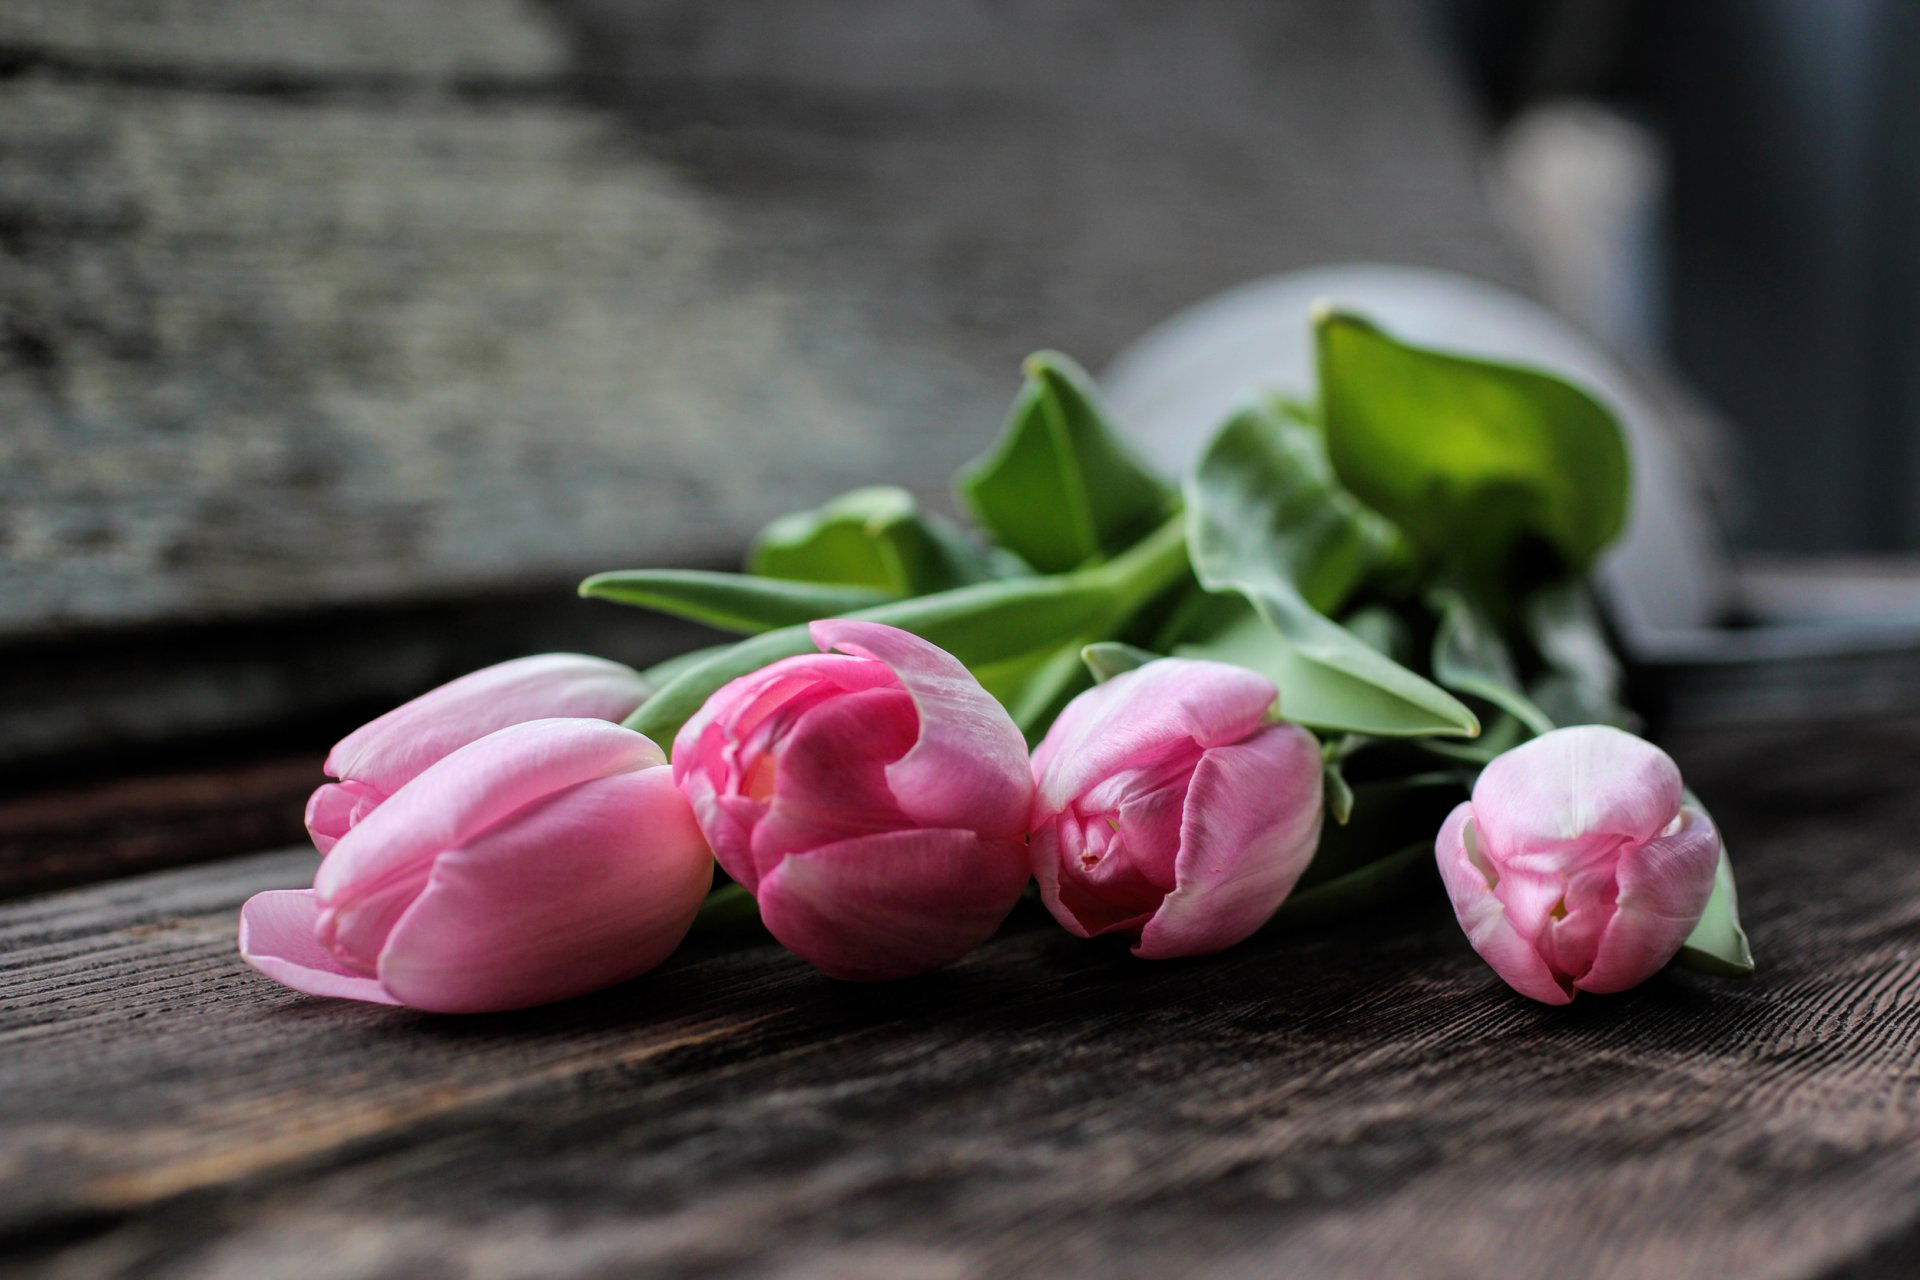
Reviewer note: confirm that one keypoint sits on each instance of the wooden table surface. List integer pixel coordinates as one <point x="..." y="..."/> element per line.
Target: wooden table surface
<point x="1362" y="1101"/>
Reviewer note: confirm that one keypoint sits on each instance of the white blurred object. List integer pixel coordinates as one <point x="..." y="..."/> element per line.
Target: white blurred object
<point x="1669" y="582"/>
<point x="1582" y="188"/>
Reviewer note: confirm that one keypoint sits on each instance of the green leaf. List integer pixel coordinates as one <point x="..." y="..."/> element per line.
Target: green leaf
<point x="1059" y="489"/>
<point x="730" y="601"/>
<point x="1498" y="738"/>
<point x="1339" y="793"/>
<point x="1266" y="523"/>
<point x="1046" y="682"/>
<point x="1472" y="458"/>
<point x="1385" y="815"/>
<point x="1718" y="945"/>
<point x="674" y="703"/>
<point x="1583" y="678"/>
<point x="1379" y="627"/>
<point x="875" y="537"/>
<point x="1005" y="632"/>
<point x="1470" y="657"/>
<point x="663" y="673"/>
<point x="1349" y="874"/>
<point x="1110" y="658"/>
<point x="727" y="907"/>
<point x="1371" y="887"/>
<point x="1271" y="501"/>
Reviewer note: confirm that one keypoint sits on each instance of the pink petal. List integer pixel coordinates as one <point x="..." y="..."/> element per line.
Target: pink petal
<point x="1148" y="817"/>
<point x="831" y="782"/>
<point x="1664" y="887"/>
<point x="714" y="750"/>
<point x="1470" y="884"/>
<point x="1110" y="725"/>
<point x="378" y="866"/>
<point x="1569" y="938"/>
<point x="581" y="890"/>
<point x="969" y="768"/>
<point x="336" y="807"/>
<point x="1573" y="795"/>
<point x="276" y="937"/>
<point x="390" y="751"/>
<point x="892" y="905"/>
<point x="1251" y="824"/>
<point x="1117" y="901"/>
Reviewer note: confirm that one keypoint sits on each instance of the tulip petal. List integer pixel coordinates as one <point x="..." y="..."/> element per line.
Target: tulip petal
<point x="377" y="867"/>
<point x="1106" y="728"/>
<point x="832" y="779"/>
<point x="1574" y="794"/>
<point x="733" y="733"/>
<point x="1125" y="902"/>
<point x="1251" y="823"/>
<point x="276" y="937"/>
<point x="895" y="904"/>
<point x="391" y="751"/>
<point x="584" y="889"/>
<point x="1664" y="887"/>
<point x="336" y="807"/>
<point x="1470" y="883"/>
<point x="969" y="767"/>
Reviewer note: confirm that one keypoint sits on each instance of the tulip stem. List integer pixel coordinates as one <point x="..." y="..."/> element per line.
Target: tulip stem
<point x="726" y="905"/>
<point x="1146" y="569"/>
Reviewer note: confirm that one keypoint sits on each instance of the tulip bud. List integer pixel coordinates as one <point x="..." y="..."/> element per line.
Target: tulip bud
<point x="544" y="861"/>
<point x="1578" y="865"/>
<point x="874" y="800"/>
<point x="380" y="757"/>
<point x="1168" y="809"/>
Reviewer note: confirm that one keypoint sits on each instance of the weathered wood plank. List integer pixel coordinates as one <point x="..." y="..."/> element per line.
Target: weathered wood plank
<point x="306" y="307"/>
<point x="314" y="304"/>
<point x="431" y="42"/>
<point x="78" y="834"/>
<point x="1304" y="1104"/>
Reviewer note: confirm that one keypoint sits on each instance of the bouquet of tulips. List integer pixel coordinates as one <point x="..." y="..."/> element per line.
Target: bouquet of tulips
<point x="1356" y="638"/>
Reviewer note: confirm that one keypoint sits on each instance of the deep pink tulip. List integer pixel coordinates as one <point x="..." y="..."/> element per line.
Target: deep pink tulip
<point x="380" y="757"/>
<point x="1578" y="865"/>
<point x="544" y="861"/>
<point x="874" y="801"/>
<point x="1170" y="810"/>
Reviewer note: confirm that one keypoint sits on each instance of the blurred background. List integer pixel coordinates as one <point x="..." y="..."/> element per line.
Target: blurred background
<point x="338" y="340"/>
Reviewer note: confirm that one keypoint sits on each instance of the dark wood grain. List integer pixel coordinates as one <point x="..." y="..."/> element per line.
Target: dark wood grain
<point x="78" y="834"/>
<point x="1360" y="1102"/>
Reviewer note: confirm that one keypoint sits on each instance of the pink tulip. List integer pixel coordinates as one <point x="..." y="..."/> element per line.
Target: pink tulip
<point x="544" y="861"/>
<point x="1170" y="810"/>
<point x="380" y="757"/>
<point x="874" y="800"/>
<point x="1578" y="865"/>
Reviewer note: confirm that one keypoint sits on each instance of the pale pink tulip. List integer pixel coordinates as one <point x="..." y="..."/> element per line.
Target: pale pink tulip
<point x="874" y="801"/>
<point x="380" y="757"/>
<point x="544" y="861"/>
<point x="1168" y="809"/>
<point x="1578" y="865"/>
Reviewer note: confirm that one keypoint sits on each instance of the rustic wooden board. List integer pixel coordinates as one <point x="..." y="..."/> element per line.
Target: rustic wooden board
<point x="1323" y="1104"/>
<point x="317" y="304"/>
<point x="396" y="304"/>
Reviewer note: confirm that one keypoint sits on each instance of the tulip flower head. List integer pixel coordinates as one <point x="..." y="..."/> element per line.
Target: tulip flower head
<point x="1169" y="809"/>
<point x="380" y="757"/>
<point x="1578" y="865"/>
<point x="873" y="798"/>
<point x="546" y="860"/>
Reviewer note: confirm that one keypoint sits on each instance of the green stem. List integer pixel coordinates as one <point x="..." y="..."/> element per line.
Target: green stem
<point x="1146" y="569"/>
<point x="729" y="904"/>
